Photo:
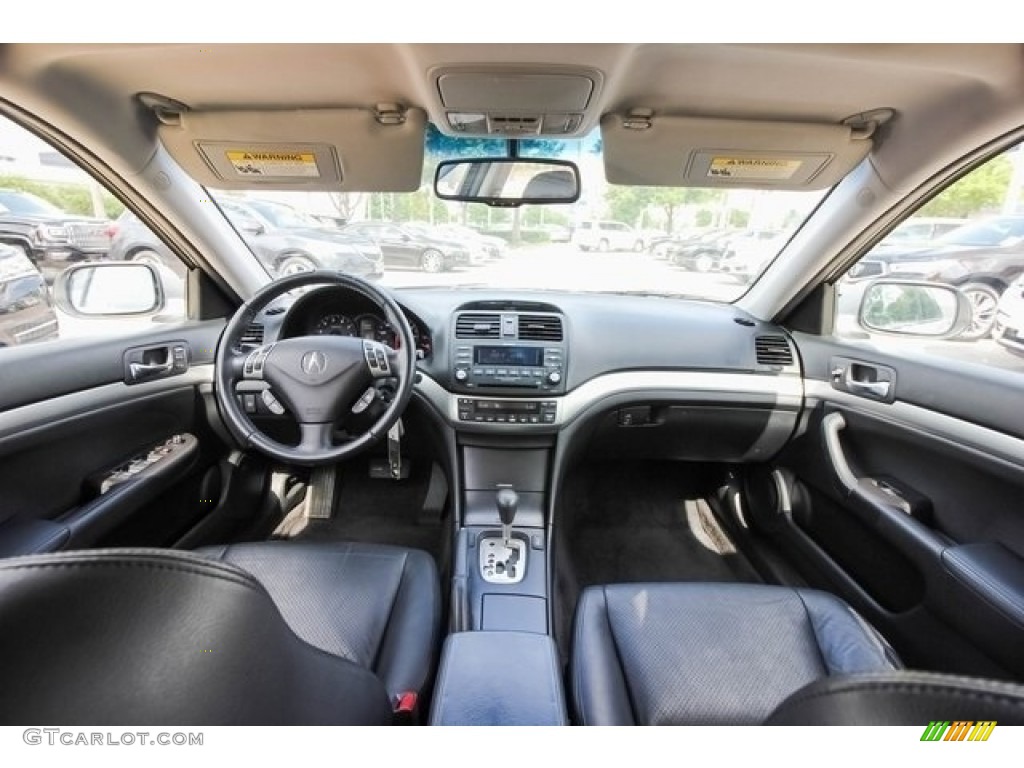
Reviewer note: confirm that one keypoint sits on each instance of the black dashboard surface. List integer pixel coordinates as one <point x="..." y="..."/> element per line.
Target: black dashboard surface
<point x="605" y="333"/>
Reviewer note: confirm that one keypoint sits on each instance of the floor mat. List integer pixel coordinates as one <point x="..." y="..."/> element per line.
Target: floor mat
<point x="646" y="523"/>
<point x="381" y="512"/>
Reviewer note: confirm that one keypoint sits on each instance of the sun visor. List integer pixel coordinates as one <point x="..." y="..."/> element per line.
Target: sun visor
<point x="706" y="152"/>
<point x="347" y="150"/>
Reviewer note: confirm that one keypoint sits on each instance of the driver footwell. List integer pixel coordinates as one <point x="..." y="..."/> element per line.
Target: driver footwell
<point x="410" y="512"/>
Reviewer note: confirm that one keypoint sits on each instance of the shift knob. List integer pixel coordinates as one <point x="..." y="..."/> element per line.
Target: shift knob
<point x="508" y="503"/>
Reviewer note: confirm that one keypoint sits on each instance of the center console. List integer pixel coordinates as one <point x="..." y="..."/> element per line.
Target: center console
<point x="500" y="665"/>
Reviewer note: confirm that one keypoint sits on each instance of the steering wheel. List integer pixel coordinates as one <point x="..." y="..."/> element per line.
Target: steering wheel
<point x="317" y="378"/>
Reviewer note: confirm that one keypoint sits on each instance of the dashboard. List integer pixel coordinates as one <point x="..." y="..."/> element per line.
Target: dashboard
<point x="676" y="377"/>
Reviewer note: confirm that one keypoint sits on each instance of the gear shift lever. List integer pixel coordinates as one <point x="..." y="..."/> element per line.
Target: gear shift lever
<point x="508" y="502"/>
<point x="503" y="558"/>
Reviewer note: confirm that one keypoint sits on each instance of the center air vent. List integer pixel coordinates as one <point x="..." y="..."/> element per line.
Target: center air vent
<point x="773" y="350"/>
<point x="540" y="328"/>
<point x="478" y="325"/>
<point x="253" y="336"/>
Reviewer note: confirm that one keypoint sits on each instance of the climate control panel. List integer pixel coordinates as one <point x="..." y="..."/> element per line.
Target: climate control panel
<point x="482" y="411"/>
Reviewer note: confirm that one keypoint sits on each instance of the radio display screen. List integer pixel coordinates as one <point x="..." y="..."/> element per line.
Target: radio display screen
<point x="528" y="356"/>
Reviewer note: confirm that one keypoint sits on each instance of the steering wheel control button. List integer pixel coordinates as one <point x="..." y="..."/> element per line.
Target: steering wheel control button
<point x="254" y="363"/>
<point x="271" y="402"/>
<point x="376" y="355"/>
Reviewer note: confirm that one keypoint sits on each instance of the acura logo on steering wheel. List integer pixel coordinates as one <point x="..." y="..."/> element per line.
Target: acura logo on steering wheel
<point x="314" y="363"/>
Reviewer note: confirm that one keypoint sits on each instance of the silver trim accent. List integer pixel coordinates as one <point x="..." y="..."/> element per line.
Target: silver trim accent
<point x="788" y="391"/>
<point x="832" y="425"/>
<point x="938" y="425"/>
<point x="782" y="489"/>
<point x="35" y="415"/>
<point x="495" y="550"/>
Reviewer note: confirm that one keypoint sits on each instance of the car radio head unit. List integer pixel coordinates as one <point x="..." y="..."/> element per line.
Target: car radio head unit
<point x="513" y="366"/>
<point x="509" y="352"/>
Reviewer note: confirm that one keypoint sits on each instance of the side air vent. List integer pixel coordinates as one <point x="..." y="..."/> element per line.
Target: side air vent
<point x="540" y="328"/>
<point x="478" y="325"/>
<point x="773" y="350"/>
<point x="253" y="336"/>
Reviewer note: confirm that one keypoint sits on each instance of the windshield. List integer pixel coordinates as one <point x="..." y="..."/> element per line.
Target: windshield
<point x="694" y="242"/>
<point x="28" y="204"/>
<point x="283" y="216"/>
<point x="986" y="233"/>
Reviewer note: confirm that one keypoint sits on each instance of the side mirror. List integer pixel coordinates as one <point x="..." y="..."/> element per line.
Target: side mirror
<point x="508" y="182"/>
<point x="109" y="289"/>
<point x="914" y="309"/>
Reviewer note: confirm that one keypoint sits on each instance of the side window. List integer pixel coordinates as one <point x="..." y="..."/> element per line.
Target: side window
<point x="971" y="237"/>
<point x="53" y="216"/>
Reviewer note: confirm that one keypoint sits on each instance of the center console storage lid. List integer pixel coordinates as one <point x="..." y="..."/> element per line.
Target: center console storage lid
<point x="499" y="678"/>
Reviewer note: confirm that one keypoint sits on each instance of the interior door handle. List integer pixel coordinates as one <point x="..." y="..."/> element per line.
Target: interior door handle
<point x="145" y="370"/>
<point x="863" y="379"/>
<point x="879" y="389"/>
<point x="146" y="363"/>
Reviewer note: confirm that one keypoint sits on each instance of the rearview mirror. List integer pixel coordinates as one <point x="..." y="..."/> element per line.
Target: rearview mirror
<point x="916" y="309"/>
<point x="508" y="182"/>
<point x="113" y="289"/>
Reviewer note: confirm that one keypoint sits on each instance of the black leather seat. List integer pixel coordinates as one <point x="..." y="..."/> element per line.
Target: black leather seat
<point x="146" y="637"/>
<point x="377" y="606"/>
<point x="706" y="654"/>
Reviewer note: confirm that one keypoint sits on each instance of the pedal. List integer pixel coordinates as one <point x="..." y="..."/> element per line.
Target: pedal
<point x="320" y="499"/>
<point x="395" y="450"/>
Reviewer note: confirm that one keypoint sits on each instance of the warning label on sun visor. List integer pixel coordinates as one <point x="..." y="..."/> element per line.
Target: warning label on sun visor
<point x="277" y="164"/>
<point x="753" y="168"/>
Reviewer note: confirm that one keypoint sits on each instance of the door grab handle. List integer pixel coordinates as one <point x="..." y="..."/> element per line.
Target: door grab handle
<point x="833" y="424"/>
<point x="866" y="488"/>
<point x="879" y="389"/>
<point x="144" y="370"/>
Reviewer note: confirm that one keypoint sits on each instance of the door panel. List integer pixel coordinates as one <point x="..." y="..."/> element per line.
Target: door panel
<point x="86" y="456"/>
<point x="907" y="501"/>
